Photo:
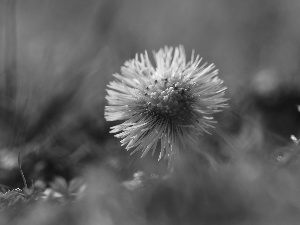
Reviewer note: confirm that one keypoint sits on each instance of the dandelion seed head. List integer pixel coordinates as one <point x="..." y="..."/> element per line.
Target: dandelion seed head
<point x="168" y="104"/>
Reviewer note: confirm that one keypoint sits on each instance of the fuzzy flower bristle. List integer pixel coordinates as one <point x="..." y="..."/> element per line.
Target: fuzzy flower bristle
<point x="169" y="103"/>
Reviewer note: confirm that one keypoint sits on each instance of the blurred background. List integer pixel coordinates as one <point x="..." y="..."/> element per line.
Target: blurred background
<point x="58" y="56"/>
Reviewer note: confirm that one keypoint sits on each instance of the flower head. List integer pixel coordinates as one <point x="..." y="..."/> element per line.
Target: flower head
<point x="168" y="103"/>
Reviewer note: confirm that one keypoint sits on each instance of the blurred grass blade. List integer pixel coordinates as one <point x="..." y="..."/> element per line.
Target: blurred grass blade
<point x="10" y="51"/>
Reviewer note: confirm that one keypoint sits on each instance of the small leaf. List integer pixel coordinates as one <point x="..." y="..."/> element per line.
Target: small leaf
<point x="60" y="185"/>
<point x="75" y="185"/>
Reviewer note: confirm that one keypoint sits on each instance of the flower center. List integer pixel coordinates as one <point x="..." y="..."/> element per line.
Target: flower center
<point x="168" y="98"/>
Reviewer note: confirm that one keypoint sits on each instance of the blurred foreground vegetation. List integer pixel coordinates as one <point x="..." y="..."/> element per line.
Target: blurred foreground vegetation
<point x="55" y="64"/>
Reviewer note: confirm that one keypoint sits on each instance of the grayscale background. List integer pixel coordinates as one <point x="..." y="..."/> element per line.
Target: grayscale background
<point x="55" y="64"/>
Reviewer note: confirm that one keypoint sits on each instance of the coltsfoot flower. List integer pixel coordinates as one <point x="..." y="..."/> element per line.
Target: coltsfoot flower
<point x="166" y="104"/>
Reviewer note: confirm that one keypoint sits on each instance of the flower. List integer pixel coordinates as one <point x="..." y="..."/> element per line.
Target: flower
<point x="168" y="104"/>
